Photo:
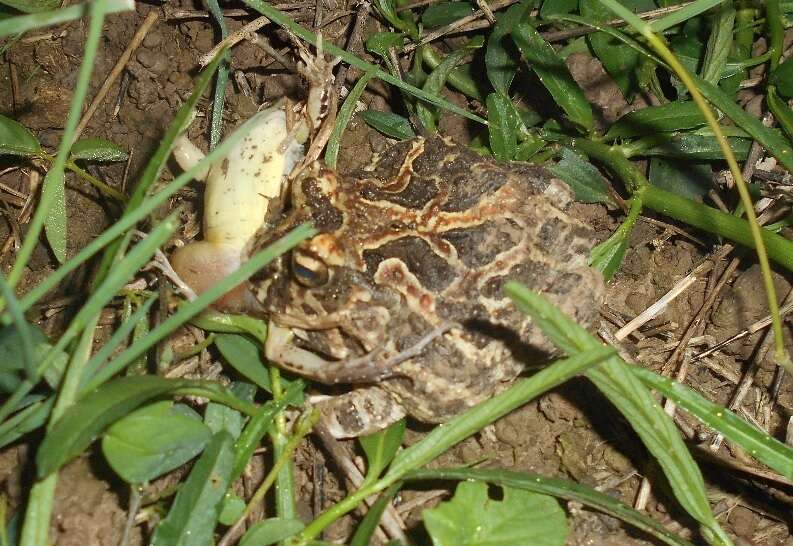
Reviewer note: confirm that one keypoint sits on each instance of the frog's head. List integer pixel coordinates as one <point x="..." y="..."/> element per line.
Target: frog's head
<point x="321" y="287"/>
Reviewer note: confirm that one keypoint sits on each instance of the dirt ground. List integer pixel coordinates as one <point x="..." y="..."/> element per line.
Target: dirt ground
<point x="571" y="432"/>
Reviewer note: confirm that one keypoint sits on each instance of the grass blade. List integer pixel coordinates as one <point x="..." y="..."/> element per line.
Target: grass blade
<point x="194" y="513"/>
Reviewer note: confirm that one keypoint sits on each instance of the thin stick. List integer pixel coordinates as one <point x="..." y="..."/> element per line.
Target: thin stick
<point x="144" y="28"/>
<point x="435" y="34"/>
<point x="233" y="38"/>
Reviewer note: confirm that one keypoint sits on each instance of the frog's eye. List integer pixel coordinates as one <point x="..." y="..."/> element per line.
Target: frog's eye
<point x="308" y="270"/>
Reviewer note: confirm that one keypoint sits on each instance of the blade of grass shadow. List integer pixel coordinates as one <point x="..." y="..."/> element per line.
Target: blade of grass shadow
<point x="555" y="487"/>
<point x="191" y="309"/>
<point x="655" y="428"/>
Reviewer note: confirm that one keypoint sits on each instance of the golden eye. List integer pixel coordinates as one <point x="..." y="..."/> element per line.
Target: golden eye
<point x="308" y="269"/>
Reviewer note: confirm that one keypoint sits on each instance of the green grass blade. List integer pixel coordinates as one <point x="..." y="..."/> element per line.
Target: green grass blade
<point x="757" y="443"/>
<point x="343" y="118"/>
<point x="191" y="309"/>
<point x="50" y="193"/>
<point x="23" y="23"/>
<point x="681" y="15"/>
<point x="634" y="401"/>
<point x="118" y="337"/>
<point x="559" y="488"/>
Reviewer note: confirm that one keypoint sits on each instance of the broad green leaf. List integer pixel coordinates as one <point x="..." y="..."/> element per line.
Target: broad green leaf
<point x="619" y="61"/>
<point x="553" y="74"/>
<point x="153" y="440"/>
<point x="232" y="509"/>
<point x="98" y="149"/>
<point x="719" y="44"/>
<point x="695" y="147"/>
<point x="226" y="323"/>
<point x="686" y="178"/>
<point x="31" y="6"/>
<point x="56" y="224"/>
<point x="85" y="420"/>
<point x="672" y="116"/>
<point x="437" y="79"/>
<point x="244" y="356"/>
<point x="583" y="178"/>
<point x="16" y="139"/>
<point x="782" y="79"/>
<point x="472" y="518"/>
<point x="438" y="15"/>
<point x="500" y="54"/>
<point x="194" y="513"/>
<point x="221" y="417"/>
<point x="270" y="531"/>
<point x="502" y="126"/>
<point x="381" y="42"/>
<point x="389" y="124"/>
<point x="381" y="447"/>
<point x="558" y="488"/>
<point x="557" y="7"/>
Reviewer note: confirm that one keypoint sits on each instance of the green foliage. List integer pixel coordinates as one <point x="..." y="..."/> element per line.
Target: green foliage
<point x="472" y="518"/>
<point x="389" y="124"/>
<point x="153" y="440"/>
<point x="270" y="531"/>
<point x="194" y="513"/>
<point x="381" y="447"/>
<point x="583" y="178"/>
<point x="97" y="149"/>
<point x="437" y="15"/>
<point x="16" y="139"/>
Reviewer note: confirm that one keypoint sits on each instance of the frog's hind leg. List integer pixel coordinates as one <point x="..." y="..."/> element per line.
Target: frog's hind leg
<point x="359" y="412"/>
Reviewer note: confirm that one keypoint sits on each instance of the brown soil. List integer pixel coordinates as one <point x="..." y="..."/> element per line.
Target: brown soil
<point x="571" y="432"/>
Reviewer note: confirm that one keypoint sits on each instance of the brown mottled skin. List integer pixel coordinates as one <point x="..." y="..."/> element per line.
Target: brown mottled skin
<point x="430" y="234"/>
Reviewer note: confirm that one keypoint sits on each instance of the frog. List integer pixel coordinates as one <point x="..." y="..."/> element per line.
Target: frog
<point x="400" y="294"/>
<point x="397" y="302"/>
